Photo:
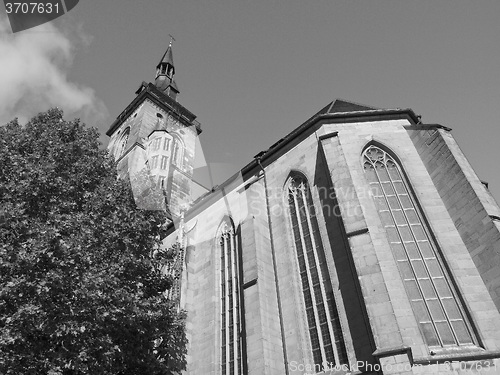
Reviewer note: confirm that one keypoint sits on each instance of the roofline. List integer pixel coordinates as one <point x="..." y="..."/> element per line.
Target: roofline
<point x="432" y="126"/>
<point x="330" y="106"/>
<point x="148" y="90"/>
<point x="265" y="155"/>
<point x="334" y="116"/>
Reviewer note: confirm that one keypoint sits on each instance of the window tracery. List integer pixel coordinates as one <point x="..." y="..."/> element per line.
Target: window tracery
<point x="230" y="301"/>
<point x="426" y="281"/>
<point x="322" y="317"/>
<point x="178" y="153"/>
<point x="122" y="143"/>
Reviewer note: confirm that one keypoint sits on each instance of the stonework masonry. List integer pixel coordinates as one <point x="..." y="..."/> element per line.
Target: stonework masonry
<point x="272" y="323"/>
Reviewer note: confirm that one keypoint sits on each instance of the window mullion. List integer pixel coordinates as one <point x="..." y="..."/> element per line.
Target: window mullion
<point x="402" y="241"/>
<point x="433" y="285"/>
<point x="235" y="301"/>
<point x="422" y="256"/>
<point x="308" y="272"/>
<point x="228" y="309"/>
<point x="240" y="304"/>
<point x="424" y="228"/>
<point x="226" y="303"/>
<point x="321" y="282"/>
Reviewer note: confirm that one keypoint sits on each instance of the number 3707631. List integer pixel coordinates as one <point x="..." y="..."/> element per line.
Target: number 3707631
<point x="32" y="8"/>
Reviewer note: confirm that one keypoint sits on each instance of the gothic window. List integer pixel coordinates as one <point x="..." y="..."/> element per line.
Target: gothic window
<point x="164" y="162"/>
<point x="426" y="281"/>
<point x="230" y="302"/>
<point x="178" y="153"/>
<point x="322" y="317"/>
<point x="120" y="147"/>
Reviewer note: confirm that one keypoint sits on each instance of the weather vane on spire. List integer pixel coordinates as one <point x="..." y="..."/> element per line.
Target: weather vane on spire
<point x="172" y="39"/>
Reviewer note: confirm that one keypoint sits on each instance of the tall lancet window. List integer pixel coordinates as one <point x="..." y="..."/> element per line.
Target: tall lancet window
<point x="122" y="143"/>
<point x="230" y="301"/>
<point x="178" y="153"/>
<point x="323" y="321"/>
<point x="426" y="281"/>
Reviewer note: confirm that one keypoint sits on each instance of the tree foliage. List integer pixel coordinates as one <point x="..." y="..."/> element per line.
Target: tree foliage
<point x="80" y="292"/>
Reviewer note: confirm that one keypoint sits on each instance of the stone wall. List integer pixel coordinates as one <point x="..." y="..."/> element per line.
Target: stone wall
<point x="469" y="203"/>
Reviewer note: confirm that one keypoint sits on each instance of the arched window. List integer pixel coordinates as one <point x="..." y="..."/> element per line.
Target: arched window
<point x="230" y="301"/>
<point x="325" y="332"/>
<point x="120" y="147"/>
<point x="178" y="153"/>
<point x="426" y="281"/>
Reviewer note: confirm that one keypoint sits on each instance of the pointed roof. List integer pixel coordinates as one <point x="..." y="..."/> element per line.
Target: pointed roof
<point x="174" y="85"/>
<point x="165" y="72"/>
<point x="343" y="106"/>
<point x="167" y="57"/>
<point x="163" y="83"/>
<point x="340" y="105"/>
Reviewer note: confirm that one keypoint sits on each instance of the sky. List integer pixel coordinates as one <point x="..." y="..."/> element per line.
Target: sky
<point x="252" y="71"/>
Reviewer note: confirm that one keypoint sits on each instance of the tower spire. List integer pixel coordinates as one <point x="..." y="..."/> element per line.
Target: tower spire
<point x="165" y="71"/>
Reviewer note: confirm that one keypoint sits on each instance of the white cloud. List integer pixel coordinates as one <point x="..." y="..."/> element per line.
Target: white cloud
<point x="33" y="75"/>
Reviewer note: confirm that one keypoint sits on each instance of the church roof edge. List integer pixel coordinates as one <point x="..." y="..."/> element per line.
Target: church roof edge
<point x="352" y="110"/>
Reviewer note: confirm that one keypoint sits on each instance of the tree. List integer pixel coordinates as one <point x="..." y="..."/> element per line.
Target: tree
<point x="80" y="290"/>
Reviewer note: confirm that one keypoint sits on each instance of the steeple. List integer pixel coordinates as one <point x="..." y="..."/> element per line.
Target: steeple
<point x="165" y="72"/>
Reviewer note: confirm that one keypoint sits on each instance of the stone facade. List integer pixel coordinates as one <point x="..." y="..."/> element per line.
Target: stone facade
<point x="268" y="323"/>
<point x="380" y="327"/>
<point x="156" y="136"/>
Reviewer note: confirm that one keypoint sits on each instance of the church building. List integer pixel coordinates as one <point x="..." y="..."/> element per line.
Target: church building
<point x="362" y="242"/>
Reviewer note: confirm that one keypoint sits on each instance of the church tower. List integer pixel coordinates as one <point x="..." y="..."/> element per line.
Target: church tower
<point x="153" y="141"/>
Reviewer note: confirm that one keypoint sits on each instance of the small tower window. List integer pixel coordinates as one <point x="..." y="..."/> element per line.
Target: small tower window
<point x="166" y="144"/>
<point x="154" y="162"/>
<point x="156" y="144"/>
<point x="164" y="162"/>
